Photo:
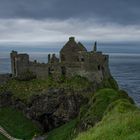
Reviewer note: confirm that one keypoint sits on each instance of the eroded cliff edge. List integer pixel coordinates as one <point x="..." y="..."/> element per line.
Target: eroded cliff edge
<point x="50" y="103"/>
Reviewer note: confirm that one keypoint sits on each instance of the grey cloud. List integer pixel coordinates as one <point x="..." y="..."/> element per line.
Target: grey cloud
<point x="118" y="11"/>
<point x="21" y="30"/>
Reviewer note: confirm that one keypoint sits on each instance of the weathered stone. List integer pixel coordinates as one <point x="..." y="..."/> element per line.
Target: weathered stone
<point x="74" y="60"/>
<point x="55" y="108"/>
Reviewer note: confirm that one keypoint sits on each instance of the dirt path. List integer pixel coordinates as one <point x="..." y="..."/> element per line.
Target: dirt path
<point x="3" y="132"/>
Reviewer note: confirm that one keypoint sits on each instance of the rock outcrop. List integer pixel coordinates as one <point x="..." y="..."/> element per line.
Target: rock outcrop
<point x="51" y="109"/>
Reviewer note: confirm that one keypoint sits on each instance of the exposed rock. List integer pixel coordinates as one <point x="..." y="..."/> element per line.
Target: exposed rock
<point x="51" y="109"/>
<point x="55" y="108"/>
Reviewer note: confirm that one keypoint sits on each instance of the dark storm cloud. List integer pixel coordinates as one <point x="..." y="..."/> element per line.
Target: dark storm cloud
<point x="49" y="20"/>
<point x="119" y="11"/>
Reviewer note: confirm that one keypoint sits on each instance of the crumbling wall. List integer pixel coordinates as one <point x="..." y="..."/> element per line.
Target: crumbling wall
<point x="74" y="60"/>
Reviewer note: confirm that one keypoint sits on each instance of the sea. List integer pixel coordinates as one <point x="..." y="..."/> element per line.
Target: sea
<point x="124" y="60"/>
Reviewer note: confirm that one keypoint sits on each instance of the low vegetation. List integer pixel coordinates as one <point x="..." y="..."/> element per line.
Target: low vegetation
<point x="64" y="132"/>
<point x="25" y="89"/>
<point x="17" y="125"/>
<point x="109" y="83"/>
<point x="109" y="115"/>
<point x="3" y="137"/>
<point x="120" y="122"/>
<point x="94" y="110"/>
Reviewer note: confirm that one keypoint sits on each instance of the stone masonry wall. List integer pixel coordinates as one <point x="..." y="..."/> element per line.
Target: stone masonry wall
<point x="93" y="65"/>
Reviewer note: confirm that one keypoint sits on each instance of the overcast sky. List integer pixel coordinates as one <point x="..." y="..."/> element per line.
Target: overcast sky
<point x="56" y="20"/>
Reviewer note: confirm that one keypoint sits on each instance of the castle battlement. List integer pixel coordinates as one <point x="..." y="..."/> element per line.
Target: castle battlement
<point x="74" y="60"/>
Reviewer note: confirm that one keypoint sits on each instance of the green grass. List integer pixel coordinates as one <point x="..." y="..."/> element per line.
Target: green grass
<point x="109" y="115"/>
<point x="17" y="125"/>
<point x="26" y="89"/>
<point x="94" y="110"/>
<point x="63" y="132"/>
<point x="120" y="122"/>
<point x="3" y="138"/>
<point x="109" y="83"/>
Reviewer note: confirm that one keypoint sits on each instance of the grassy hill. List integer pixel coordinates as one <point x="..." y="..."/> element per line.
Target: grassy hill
<point x="121" y="122"/>
<point x="17" y="125"/>
<point x="64" y="132"/>
<point x="109" y="115"/>
<point x="94" y="110"/>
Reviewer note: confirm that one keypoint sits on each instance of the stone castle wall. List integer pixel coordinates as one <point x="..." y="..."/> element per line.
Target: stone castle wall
<point x="74" y="60"/>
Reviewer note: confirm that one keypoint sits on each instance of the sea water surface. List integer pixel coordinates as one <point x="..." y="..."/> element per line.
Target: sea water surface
<point x="124" y="61"/>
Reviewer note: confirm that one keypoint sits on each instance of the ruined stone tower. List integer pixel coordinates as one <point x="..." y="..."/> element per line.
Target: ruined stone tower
<point x="19" y="63"/>
<point x="74" y="60"/>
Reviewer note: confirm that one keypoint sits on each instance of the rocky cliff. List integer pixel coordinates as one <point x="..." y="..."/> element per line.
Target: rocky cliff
<point x="50" y="103"/>
<point x="51" y="108"/>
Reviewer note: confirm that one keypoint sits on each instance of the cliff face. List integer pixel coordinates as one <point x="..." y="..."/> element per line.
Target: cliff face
<point x="55" y="108"/>
<point x="50" y="103"/>
<point x="107" y="112"/>
<point x="50" y="109"/>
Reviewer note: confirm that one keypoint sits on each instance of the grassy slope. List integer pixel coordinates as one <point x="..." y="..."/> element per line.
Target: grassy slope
<point x="109" y="83"/>
<point x="91" y="113"/>
<point x="121" y="122"/>
<point x="120" y="119"/>
<point x="25" y="89"/>
<point x="94" y="110"/>
<point x="3" y="138"/>
<point x="63" y="132"/>
<point x="16" y="124"/>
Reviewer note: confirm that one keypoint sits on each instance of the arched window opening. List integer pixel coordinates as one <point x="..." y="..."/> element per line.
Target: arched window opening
<point x="99" y="67"/>
<point x="82" y="60"/>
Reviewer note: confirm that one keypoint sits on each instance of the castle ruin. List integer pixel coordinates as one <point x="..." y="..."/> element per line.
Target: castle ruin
<point x="74" y="60"/>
